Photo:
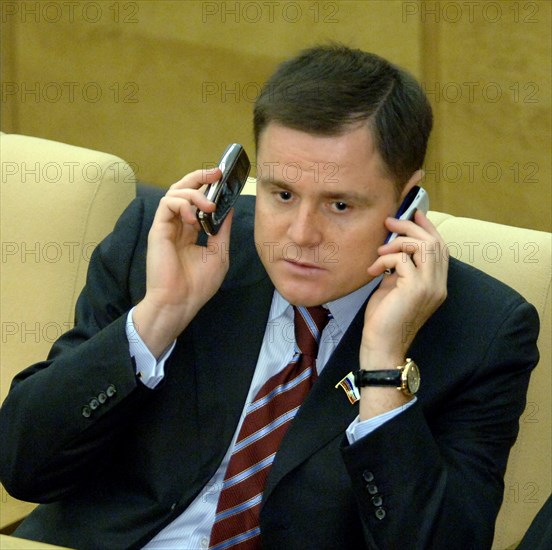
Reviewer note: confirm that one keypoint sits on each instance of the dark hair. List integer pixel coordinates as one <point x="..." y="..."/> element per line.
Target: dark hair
<point x="326" y="90"/>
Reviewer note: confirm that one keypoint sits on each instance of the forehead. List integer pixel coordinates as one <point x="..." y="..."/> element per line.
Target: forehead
<point x="292" y="156"/>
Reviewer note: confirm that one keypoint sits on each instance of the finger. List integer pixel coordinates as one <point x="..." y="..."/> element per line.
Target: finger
<point x="405" y="228"/>
<point x="421" y="219"/>
<point x="412" y="248"/>
<point x="416" y="240"/>
<point x="429" y="257"/>
<point x="420" y="227"/>
<point x="400" y="262"/>
<point x="198" y="178"/>
<point x="171" y="208"/>
<point x="409" y="245"/>
<point x="195" y="197"/>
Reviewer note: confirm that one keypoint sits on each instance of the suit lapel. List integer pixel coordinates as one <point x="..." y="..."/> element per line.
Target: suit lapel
<point x="325" y="414"/>
<point x="226" y="356"/>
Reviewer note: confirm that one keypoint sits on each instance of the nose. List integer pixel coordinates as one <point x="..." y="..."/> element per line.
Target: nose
<point x="305" y="228"/>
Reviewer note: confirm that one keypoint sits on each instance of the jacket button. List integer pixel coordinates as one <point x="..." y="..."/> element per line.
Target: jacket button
<point x="380" y="513"/>
<point x="102" y="397"/>
<point x="371" y="488"/>
<point x="368" y="476"/>
<point x="111" y="390"/>
<point x="86" y="412"/>
<point x="94" y="404"/>
<point x="377" y="500"/>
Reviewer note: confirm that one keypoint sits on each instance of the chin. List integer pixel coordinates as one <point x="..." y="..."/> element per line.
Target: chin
<point x="303" y="296"/>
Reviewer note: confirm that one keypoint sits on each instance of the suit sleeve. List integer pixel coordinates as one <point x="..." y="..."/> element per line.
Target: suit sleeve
<point x="432" y="477"/>
<point x="61" y="414"/>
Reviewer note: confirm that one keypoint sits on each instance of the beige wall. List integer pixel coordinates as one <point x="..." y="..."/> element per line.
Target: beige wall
<point x="167" y="84"/>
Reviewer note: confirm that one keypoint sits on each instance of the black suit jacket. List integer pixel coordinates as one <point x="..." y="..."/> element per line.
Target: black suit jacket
<point x="114" y="462"/>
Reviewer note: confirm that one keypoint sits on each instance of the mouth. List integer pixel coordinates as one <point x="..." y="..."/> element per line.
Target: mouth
<point x="304" y="268"/>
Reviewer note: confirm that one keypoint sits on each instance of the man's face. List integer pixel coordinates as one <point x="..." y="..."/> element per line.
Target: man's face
<point x="321" y="205"/>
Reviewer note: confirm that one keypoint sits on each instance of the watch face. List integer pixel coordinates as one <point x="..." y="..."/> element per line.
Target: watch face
<point x="412" y="378"/>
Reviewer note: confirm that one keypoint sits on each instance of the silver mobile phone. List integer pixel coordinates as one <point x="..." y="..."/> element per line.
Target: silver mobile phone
<point x="235" y="167"/>
<point x="416" y="199"/>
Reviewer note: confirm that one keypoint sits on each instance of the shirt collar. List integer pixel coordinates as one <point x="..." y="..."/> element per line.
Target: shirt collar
<point x="343" y="309"/>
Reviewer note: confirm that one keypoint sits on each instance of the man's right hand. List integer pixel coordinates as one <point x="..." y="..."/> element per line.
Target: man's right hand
<point x="181" y="276"/>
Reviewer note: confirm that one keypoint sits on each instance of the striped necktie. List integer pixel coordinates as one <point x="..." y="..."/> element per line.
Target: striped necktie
<point x="268" y="418"/>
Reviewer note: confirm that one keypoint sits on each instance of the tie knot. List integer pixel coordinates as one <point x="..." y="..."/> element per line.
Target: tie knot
<point x="309" y="324"/>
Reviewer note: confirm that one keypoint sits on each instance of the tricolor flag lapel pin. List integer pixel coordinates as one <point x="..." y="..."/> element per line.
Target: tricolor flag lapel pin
<point x="348" y="385"/>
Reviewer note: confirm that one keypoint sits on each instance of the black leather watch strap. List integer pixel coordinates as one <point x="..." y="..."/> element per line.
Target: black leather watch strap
<point x="390" y="377"/>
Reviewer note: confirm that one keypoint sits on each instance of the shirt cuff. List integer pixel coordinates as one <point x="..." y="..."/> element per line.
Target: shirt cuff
<point x="358" y="429"/>
<point x="149" y="370"/>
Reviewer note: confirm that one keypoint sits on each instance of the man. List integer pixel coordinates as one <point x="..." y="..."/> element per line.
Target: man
<point x="127" y="431"/>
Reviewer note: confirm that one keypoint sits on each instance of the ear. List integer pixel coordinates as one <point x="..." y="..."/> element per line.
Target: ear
<point x="415" y="179"/>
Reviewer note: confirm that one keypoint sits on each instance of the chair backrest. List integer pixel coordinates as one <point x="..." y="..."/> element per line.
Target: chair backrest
<point x="58" y="202"/>
<point x="521" y="258"/>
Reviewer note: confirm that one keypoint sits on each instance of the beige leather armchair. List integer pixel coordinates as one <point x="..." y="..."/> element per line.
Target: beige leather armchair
<point x="57" y="202"/>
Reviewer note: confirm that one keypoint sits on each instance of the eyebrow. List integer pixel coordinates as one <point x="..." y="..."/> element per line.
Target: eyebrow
<point x="346" y="196"/>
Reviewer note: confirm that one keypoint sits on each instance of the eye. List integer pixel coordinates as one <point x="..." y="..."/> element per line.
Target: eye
<point x="284" y="195"/>
<point x="340" y="206"/>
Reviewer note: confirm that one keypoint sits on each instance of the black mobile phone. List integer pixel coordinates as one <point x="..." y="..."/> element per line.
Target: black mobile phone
<point x="416" y="199"/>
<point x="235" y="167"/>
